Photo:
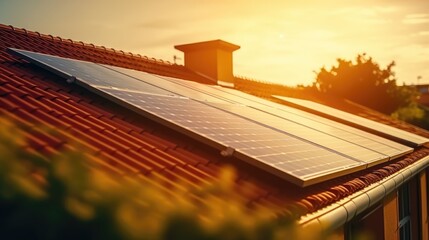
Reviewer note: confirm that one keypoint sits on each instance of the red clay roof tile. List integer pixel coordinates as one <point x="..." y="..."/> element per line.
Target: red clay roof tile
<point x="51" y="140"/>
<point x="40" y="104"/>
<point x="121" y="165"/>
<point x="7" y="104"/>
<point x="34" y="92"/>
<point x="154" y="140"/>
<point x="211" y="169"/>
<point x="94" y="111"/>
<point x="104" y="165"/>
<point x="9" y="89"/>
<point x="13" y="80"/>
<point x="143" y="166"/>
<point x="134" y="140"/>
<point x="77" y="125"/>
<point x="103" y="124"/>
<point x="16" y="119"/>
<point x="169" y="158"/>
<point x="182" y="177"/>
<point x="187" y="156"/>
<point x="60" y="107"/>
<point x="35" y="142"/>
<point x="156" y="162"/>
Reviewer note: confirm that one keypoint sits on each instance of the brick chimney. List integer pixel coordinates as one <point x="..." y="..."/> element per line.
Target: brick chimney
<point x="212" y="59"/>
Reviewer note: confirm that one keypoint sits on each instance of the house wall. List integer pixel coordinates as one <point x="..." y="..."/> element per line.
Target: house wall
<point x="382" y="220"/>
<point x="204" y="62"/>
<point x="224" y="71"/>
<point x="424" y="205"/>
<point x="215" y="63"/>
<point x="367" y="225"/>
<point x="390" y="216"/>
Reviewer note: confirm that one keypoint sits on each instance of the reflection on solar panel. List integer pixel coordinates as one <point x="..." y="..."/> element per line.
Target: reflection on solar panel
<point x="283" y="141"/>
<point x="167" y="85"/>
<point x="352" y="142"/>
<point x="327" y="126"/>
<point x="357" y="121"/>
<point x="275" y="151"/>
<point x="92" y="73"/>
<point x="346" y="147"/>
<point x="336" y="132"/>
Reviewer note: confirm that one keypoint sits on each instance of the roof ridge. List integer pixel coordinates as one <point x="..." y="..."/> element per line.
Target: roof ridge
<point x="250" y="79"/>
<point x="89" y="45"/>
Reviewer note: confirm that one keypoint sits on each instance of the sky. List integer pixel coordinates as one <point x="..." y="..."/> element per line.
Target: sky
<point x="284" y="41"/>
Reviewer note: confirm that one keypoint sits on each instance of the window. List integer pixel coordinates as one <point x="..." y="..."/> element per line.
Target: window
<point x="404" y="213"/>
<point x="409" y="210"/>
<point x="367" y="226"/>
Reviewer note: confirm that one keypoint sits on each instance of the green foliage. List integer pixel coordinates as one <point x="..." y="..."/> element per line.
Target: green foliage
<point x="409" y="113"/>
<point x="63" y="197"/>
<point x="364" y="82"/>
<point x="422" y="111"/>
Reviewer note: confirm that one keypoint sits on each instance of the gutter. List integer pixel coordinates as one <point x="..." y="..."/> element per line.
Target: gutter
<point x="337" y="214"/>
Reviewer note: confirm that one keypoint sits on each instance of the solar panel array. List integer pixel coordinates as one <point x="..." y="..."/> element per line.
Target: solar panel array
<point x="282" y="152"/>
<point x="324" y="134"/>
<point x="360" y="122"/>
<point x="339" y="130"/>
<point x="298" y="146"/>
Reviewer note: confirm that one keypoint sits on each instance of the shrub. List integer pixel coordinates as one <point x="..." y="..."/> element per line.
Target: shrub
<point x="67" y="197"/>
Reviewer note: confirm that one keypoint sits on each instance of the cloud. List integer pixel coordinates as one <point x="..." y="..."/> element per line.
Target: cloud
<point x="416" y="18"/>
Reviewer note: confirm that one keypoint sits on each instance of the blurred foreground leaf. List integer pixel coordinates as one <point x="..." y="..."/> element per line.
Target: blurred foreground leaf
<point x="65" y="197"/>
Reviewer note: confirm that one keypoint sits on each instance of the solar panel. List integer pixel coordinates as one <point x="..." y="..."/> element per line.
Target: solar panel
<point x="357" y="121"/>
<point x="365" y="147"/>
<point x="292" y="158"/>
<point x="171" y="86"/>
<point x="90" y="73"/>
<point x="314" y="121"/>
<point x="274" y="141"/>
<point x="332" y="128"/>
<point x="344" y="146"/>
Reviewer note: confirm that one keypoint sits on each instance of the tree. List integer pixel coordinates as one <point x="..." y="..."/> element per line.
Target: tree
<point x="364" y="82"/>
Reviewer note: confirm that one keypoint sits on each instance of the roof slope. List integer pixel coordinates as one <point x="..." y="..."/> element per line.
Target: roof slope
<point x="128" y="144"/>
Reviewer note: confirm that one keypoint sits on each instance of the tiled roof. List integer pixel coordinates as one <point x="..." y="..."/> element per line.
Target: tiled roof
<point x="128" y="144"/>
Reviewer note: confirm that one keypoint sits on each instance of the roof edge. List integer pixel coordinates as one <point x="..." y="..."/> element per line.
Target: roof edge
<point x="337" y="214"/>
<point x="213" y="44"/>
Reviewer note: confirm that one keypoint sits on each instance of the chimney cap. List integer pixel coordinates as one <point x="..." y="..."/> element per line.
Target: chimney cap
<point x="214" y="44"/>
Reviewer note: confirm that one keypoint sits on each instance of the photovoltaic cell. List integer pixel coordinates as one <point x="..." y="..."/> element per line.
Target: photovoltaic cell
<point x="357" y="121"/>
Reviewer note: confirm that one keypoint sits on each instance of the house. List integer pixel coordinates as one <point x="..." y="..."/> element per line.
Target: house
<point x="388" y="199"/>
<point x="424" y="94"/>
